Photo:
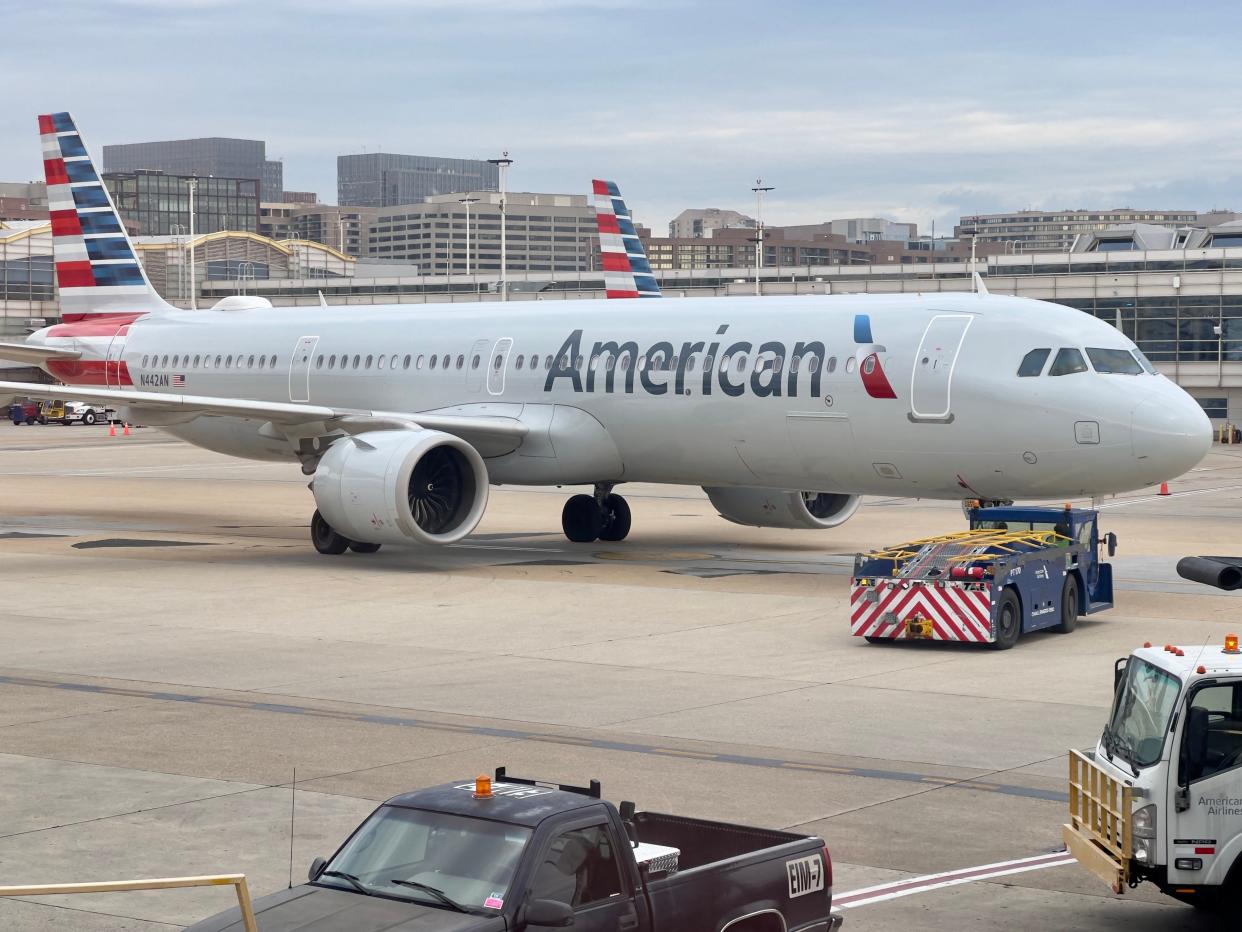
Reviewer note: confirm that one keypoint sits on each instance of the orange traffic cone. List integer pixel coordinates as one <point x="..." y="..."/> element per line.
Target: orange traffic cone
<point x="126" y="431"/>
<point x="112" y="428"/>
<point x="1164" y="489"/>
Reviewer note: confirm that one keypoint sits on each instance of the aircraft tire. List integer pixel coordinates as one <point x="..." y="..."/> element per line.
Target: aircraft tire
<point x="581" y="519"/>
<point x="326" y="540"/>
<point x="1008" y="621"/>
<point x="1069" y="605"/>
<point x="358" y="546"/>
<point x="615" y="519"/>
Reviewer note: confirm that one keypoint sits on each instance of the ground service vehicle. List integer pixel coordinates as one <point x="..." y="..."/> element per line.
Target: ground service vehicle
<point x="24" y="412"/>
<point x="1160" y="797"/>
<point x="1016" y="570"/>
<point x="511" y="854"/>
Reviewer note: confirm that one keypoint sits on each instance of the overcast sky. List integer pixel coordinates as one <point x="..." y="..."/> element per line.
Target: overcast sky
<point x="915" y="111"/>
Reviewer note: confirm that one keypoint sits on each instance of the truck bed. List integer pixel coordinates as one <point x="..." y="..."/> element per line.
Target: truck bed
<point x="702" y="842"/>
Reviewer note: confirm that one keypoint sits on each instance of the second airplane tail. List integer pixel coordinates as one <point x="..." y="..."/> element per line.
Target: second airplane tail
<point x="97" y="270"/>
<point x="627" y="273"/>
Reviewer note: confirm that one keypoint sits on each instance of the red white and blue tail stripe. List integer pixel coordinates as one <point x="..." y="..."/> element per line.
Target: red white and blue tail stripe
<point x="627" y="273"/>
<point x="97" y="270"/>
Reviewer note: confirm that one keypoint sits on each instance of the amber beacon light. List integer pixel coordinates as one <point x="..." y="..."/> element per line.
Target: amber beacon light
<point x="1231" y="644"/>
<point x="483" y="787"/>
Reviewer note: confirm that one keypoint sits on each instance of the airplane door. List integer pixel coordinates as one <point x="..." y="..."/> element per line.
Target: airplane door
<point x="497" y="365"/>
<point x="933" y="367"/>
<point x="475" y="365"/>
<point x="113" y="361"/>
<point x="299" y="369"/>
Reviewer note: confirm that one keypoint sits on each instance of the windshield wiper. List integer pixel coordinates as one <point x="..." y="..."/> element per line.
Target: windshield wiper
<point x="427" y="888"/>
<point x="1125" y="750"/>
<point x="357" y="884"/>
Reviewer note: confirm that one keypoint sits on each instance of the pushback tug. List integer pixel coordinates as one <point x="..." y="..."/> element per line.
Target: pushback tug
<point x="1016" y="570"/>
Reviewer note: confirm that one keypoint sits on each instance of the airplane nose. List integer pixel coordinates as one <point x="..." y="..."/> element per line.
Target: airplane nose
<point x="1169" y="435"/>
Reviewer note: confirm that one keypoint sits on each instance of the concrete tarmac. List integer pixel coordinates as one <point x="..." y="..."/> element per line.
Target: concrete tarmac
<point x="172" y="648"/>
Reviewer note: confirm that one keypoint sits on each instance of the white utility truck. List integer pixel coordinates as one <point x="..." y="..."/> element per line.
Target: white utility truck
<point x="1160" y="797"/>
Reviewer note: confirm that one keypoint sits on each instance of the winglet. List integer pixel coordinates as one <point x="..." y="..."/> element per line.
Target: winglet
<point x="627" y="273"/>
<point x="980" y="288"/>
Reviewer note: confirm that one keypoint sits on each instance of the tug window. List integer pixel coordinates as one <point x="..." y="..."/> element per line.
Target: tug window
<point x="1033" y="363"/>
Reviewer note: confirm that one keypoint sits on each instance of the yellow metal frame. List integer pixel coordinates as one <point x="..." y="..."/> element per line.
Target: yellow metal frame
<point x="238" y="881"/>
<point x="1006" y="541"/>
<point x="1098" y="834"/>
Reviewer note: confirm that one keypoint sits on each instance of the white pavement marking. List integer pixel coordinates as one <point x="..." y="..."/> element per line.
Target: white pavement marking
<point x="891" y="891"/>
<point x="1156" y="498"/>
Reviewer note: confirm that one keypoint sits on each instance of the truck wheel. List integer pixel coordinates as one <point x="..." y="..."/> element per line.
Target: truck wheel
<point x="1069" y="605"/>
<point x="88" y="417"/>
<point x="43" y="419"/>
<point x="1008" y="621"/>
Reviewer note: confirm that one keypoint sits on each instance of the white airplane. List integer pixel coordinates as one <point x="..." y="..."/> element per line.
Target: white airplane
<point x="784" y="409"/>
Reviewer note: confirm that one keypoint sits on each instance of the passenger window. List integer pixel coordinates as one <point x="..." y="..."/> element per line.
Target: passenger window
<point x="625" y="363"/>
<point x="357" y="360"/>
<point x="832" y="363"/>
<point x="145" y="359"/>
<point x="578" y="362"/>
<point x="1213" y="732"/>
<point x="272" y="363"/>
<point x="461" y="361"/>
<point x="418" y="362"/>
<point x="474" y="363"/>
<point x="579" y="868"/>
<point x="392" y="363"/>
<point x="217" y="362"/>
<point x="406" y="363"/>
<point x="433" y="360"/>
<point x="1067" y="362"/>
<point x="332" y="361"/>
<point x="520" y="359"/>
<point x="175" y="360"/>
<point x="196" y="361"/>
<point x="793" y="363"/>
<point x="779" y="363"/>
<point x="263" y="362"/>
<point x="741" y="361"/>
<point x="850" y="364"/>
<point x="367" y="365"/>
<point x="1033" y="363"/>
<point x="610" y="363"/>
<point x="547" y="361"/>
<point x="228" y="361"/>
<point x="250" y="363"/>
<point x="812" y="365"/>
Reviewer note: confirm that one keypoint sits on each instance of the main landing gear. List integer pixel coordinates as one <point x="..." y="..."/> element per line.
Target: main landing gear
<point x="328" y="541"/>
<point x="602" y="516"/>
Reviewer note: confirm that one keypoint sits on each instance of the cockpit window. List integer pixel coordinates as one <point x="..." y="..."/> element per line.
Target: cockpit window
<point x="1113" y="361"/>
<point x="1145" y="362"/>
<point x="1033" y="363"/>
<point x="1068" y="361"/>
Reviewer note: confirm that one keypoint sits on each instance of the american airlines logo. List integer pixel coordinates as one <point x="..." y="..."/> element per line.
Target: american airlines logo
<point x="662" y="367"/>
<point x="667" y="368"/>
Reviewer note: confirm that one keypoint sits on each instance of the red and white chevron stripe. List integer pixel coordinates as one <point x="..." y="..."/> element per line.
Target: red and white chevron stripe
<point x="957" y="613"/>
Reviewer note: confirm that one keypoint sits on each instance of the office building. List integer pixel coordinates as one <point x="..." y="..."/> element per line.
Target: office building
<point x="345" y="229"/>
<point x="701" y="223"/>
<point x="386" y="179"/>
<point x="1056" y="230"/>
<point x="867" y="229"/>
<point x="213" y="155"/>
<point x="300" y="197"/>
<point x="158" y="204"/>
<point x="23" y="200"/>
<point x="545" y="233"/>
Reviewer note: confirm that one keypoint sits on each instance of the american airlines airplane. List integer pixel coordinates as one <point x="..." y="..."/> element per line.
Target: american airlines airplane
<point x="786" y="410"/>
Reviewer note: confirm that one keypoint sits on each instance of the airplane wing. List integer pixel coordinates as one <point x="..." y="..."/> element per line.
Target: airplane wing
<point x="26" y="352"/>
<point x="492" y="435"/>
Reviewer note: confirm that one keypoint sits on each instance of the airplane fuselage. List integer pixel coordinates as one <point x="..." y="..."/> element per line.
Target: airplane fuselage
<point x="901" y="395"/>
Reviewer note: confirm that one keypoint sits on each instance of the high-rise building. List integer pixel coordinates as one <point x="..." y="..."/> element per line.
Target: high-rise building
<point x="159" y="204"/>
<point x="544" y="232"/>
<point x="212" y="155"/>
<point x="386" y="179"/>
<point x="300" y="197"/>
<point x="342" y="228"/>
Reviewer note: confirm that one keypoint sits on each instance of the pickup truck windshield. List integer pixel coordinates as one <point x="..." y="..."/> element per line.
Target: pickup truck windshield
<point x="471" y="861"/>
<point x="1141" y="713"/>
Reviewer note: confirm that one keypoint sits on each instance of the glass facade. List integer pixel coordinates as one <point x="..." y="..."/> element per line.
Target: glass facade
<point x="28" y="278"/>
<point x="160" y="204"/>
<point x="1173" y="328"/>
<point x="386" y="179"/>
<point x="213" y="155"/>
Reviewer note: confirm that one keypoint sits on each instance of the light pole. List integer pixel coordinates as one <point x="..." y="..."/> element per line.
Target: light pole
<point x="760" y="190"/>
<point x="503" y="164"/>
<point x="193" y="183"/>
<point x="468" y="200"/>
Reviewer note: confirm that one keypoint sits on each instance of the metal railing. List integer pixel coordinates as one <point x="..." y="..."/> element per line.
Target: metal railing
<point x="237" y="881"/>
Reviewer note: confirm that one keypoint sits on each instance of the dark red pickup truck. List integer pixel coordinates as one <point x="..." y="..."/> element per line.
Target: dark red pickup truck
<point x="511" y="855"/>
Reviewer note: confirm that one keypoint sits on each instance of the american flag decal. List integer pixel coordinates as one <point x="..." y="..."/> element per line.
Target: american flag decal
<point x="627" y="274"/>
<point x="178" y="381"/>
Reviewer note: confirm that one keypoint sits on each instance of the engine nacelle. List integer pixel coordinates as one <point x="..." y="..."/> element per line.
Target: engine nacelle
<point x="401" y="487"/>
<point x="776" y="508"/>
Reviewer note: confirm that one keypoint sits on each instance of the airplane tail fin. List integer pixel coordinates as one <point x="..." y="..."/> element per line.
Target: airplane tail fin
<point x="627" y="273"/>
<point x="97" y="270"/>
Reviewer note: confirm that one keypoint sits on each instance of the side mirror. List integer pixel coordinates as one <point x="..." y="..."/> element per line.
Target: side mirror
<point x="316" y="869"/>
<point x="1112" y="544"/>
<point x="551" y="913"/>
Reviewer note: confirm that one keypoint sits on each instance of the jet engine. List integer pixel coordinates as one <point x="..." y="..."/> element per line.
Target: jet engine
<point x="401" y="486"/>
<point x="776" y="508"/>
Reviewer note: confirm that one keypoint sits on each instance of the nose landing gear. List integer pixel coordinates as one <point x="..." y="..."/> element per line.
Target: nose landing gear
<point x="602" y="516"/>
